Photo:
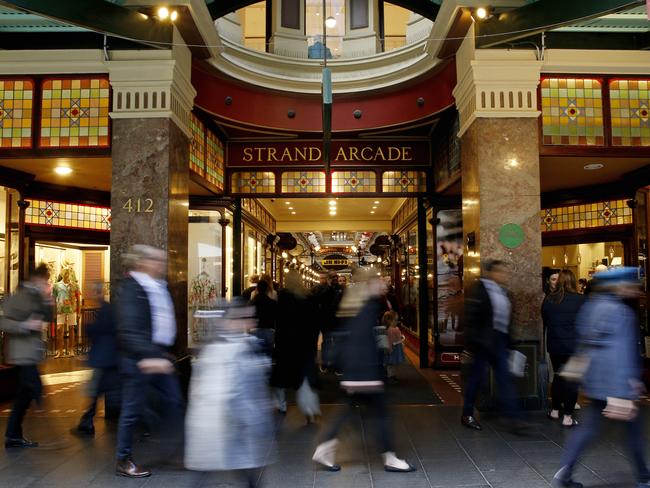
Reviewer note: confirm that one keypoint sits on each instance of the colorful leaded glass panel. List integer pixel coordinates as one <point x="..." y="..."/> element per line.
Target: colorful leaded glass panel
<point x="572" y="112"/>
<point x="303" y="182"/>
<point x="214" y="161"/>
<point x="60" y="214"/>
<point x="197" y="145"/>
<point x="253" y="182"/>
<point x="599" y="214"/>
<point x="74" y="113"/>
<point x="630" y="112"/>
<point x="404" y="182"/>
<point x="16" y="113"/>
<point x="354" y="182"/>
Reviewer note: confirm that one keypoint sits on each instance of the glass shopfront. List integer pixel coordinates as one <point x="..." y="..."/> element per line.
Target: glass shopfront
<point x="410" y="274"/>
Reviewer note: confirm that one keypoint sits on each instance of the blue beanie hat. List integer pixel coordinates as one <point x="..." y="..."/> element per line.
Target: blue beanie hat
<point x="622" y="274"/>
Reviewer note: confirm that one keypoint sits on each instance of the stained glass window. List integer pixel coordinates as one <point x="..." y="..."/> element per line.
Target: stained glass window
<point x="303" y="182"/>
<point x="404" y="182"/>
<point x="253" y="182"/>
<point x="214" y="161"/>
<point x="572" y="112"/>
<point x="60" y="214"/>
<point x="74" y="113"/>
<point x="599" y="214"/>
<point x="630" y="112"/>
<point x="354" y="182"/>
<point x="197" y="145"/>
<point x="16" y="113"/>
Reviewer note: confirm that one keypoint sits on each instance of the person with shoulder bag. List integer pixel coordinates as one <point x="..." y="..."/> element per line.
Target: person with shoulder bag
<point x="25" y="314"/>
<point x="608" y="338"/>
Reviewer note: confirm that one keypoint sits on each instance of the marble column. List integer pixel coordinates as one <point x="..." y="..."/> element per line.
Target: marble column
<point x="149" y="200"/>
<point x="501" y="185"/>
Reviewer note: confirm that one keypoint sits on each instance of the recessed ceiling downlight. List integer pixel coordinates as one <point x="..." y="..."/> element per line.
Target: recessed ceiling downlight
<point x="593" y="166"/>
<point x="63" y="170"/>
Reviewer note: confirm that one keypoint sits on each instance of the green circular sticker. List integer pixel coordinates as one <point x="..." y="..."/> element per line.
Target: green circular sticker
<point x="511" y="236"/>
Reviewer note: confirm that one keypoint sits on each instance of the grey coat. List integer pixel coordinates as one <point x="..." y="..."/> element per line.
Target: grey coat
<point x="25" y="347"/>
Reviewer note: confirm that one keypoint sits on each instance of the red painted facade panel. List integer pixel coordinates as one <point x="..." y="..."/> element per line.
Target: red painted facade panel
<point x="263" y="108"/>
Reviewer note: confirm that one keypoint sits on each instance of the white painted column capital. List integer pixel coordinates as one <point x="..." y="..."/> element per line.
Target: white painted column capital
<point x="153" y="84"/>
<point x="495" y="83"/>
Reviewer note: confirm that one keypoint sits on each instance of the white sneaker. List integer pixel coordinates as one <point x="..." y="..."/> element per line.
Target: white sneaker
<point x="554" y="414"/>
<point x="568" y="421"/>
<point x="577" y="406"/>
<point x="325" y="455"/>
<point x="395" y="464"/>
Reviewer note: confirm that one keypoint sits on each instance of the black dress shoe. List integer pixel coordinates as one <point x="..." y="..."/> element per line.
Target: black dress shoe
<point x="19" y="442"/>
<point x="470" y="422"/>
<point x="84" y="430"/>
<point x="126" y="467"/>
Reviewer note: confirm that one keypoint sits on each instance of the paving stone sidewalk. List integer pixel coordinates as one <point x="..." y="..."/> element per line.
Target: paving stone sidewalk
<point x="445" y="453"/>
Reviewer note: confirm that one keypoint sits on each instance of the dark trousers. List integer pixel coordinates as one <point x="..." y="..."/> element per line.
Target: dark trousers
<point x="29" y="388"/>
<point x="497" y="358"/>
<point x="376" y="404"/>
<point x="135" y="389"/>
<point x="104" y="381"/>
<point x="564" y="394"/>
<point x="591" y="420"/>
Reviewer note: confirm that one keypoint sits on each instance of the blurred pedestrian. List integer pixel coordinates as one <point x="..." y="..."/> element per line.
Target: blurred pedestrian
<point x="488" y="320"/>
<point x="296" y="337"/>
<point x="270" y="289"/>
<point x="102" y="357"/>
<point x="254" y="280"/>
<point x="327" y="296"/>
<point x="559" y="311"/>
<point x="395" y="352"/>
<point x="266" y="311"/>
<point x="229" y="422"/>
<point x="25" y="314"/>
<point x="146" y="333"/>
<point x="609" y="343"/>
<point x="362" y="371"/>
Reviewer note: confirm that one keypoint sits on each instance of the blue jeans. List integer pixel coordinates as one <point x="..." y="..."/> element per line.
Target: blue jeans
<point x="591" y="420"/>
<point x="497" y="358"/>
<point x="135" y="389"/>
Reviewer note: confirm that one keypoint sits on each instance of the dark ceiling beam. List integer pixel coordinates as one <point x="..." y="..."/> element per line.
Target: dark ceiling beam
<point x="426" y="8"/>
<point x="540" y="16"/>
<point x="100" y="16"/>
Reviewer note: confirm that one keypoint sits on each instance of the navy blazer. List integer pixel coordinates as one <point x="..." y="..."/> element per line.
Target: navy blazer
<point x="134" y="326"/>
<point x="479" y="319"/>
<point x="103" y="336"/>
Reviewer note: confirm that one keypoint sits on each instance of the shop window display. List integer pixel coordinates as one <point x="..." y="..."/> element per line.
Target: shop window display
<point x="410" y="275"/>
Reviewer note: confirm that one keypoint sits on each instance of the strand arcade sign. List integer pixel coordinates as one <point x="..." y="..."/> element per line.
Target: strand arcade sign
<point x="342" y="153"/>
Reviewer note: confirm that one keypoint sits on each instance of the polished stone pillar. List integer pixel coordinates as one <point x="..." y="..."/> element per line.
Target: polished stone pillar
<point x="149" y="200"/>
<point x="501" y="185"/>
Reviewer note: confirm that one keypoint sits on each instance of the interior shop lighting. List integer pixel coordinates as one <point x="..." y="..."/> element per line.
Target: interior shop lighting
<point x="330" y="22"/>
<point x="593" y="166"/>
<point x="286" y="270"/>
<point x="372" y="211"/>
<point x="287" y="203"/>
<point x="332" y="212"/>
<point x="293" y="213"/>
<point x="173" y="16"/>
<point x="376" y="202"/>
<point x="63" y="170"/>
<point x="163" y="13"/>
<point x="481" y="13"/>
<point x="284" y="255"/>
<point x="332" y="202"/>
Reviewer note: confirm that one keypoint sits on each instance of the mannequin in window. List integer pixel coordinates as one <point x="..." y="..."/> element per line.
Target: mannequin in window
<point x="317" y="50"/>
<point x="68" y="300"/>
<point x="203" y="294"/>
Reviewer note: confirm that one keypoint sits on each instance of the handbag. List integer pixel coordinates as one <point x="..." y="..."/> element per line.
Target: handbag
<point x="576" y="367"/>
<point x="307" y="399"/>
<point x="517" y="363"/>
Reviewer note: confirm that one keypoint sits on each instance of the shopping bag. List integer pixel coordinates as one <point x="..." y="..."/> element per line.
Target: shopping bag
<point x="307" y="399"/>
<point x="517" y="363"/>
<point x="575" y="368"/>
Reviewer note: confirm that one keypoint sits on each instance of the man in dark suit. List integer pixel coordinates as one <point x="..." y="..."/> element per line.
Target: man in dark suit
<point x="146" y="333"/>
<point x="488" y="319"/>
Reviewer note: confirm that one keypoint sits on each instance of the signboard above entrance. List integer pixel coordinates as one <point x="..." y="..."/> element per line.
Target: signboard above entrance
<point x="343" y="153"/>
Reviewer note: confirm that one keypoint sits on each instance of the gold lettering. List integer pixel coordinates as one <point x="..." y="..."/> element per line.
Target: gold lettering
<point x="340" y="155"/>
<point x="316" y="150"/>
<point x="286" y="154"/>
<point x="406" y="154"/>
<point x="354" y="156"/>
<point x="271" y="154"/>
<point x="363" y="154"/>
<point x="379" y="152"/>
<point x="259" y="153"/>
<point x="248" y="154"/>
<point x="301" y="152"/>
<point x="394" y="153"/>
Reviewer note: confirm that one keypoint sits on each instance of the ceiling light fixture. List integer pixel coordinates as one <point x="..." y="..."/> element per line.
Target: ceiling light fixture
<point x="287" y="203"/>
<point x="290" y="208"/>
<point x="63" y="170"/>
<point x="163" y="13"/>
<point x="482" y="13"/>
<point x="330" y="22"/>
<point x="376" y="202"/>
<point x="293" y="213"/>
<point x="372" y="211"/>
<point x="332" y="202"/>
<point x="332" y="212"/>
<point x="173" y="16"/>
<point x="593" y="166"/>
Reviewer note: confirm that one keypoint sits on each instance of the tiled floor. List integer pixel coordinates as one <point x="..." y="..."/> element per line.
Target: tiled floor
<point x="431" y="437"/>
